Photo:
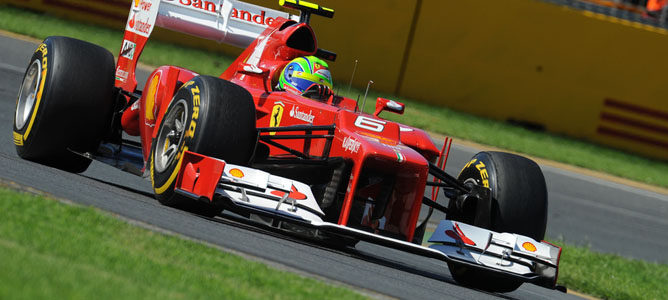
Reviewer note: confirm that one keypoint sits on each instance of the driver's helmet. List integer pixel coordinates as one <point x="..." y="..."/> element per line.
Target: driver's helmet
<point x="302" y="72"/>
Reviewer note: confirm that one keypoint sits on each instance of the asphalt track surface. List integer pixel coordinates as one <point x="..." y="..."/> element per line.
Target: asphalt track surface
<point x="609" y="217"/>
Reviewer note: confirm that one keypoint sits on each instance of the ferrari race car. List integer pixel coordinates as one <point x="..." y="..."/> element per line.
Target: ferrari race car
<point x="318" y="166"/>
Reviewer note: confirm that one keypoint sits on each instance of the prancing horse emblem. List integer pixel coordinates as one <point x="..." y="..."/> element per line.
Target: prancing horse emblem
<point x="276" y="116"/>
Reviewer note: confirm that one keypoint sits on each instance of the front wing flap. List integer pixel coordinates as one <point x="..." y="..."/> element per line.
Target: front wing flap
<point x="509" y="252"/>
<point x="254" y="191"/>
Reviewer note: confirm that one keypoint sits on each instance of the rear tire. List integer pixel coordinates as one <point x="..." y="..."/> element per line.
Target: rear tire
<point x="519" y="205"/>
<point x="209" y="116"/>
<point x="65" y="103"/>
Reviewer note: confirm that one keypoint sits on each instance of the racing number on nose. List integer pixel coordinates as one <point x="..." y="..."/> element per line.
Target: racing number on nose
<point x="370" y="124"/>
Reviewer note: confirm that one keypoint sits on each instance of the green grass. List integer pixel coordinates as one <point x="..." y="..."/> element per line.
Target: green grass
<point x="58" y="251"/>
<point x="436" y="119"/>
<point x="49" y="250"/>
<point x="610" y="276"/>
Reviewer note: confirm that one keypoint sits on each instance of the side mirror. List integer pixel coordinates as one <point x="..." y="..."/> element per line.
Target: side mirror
<point x="389" y="105"/>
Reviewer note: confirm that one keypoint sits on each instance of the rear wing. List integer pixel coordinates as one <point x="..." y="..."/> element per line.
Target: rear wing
<point x="225" y="21"/>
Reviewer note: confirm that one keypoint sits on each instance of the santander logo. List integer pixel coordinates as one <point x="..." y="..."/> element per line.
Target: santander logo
<point x="302" y="115"/>
<point x="252" y="18"/>
<point x="239" y="14"/>
<point x="203" y="5"/>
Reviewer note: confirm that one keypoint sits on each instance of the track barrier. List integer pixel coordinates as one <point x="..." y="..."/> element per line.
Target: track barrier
<point x="544" y="65"/>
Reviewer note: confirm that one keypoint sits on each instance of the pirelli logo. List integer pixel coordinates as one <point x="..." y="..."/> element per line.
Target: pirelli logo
<point x="634" y="123"/>
<point x="18" y="139"/>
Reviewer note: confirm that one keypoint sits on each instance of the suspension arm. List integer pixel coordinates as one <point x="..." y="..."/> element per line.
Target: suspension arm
<point x="447" y="179"/>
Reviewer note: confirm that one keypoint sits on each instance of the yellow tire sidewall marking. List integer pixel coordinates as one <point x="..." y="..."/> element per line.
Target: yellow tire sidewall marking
<point x="39" y="92"/>
<point x="18" y="139"/>
<point x="161" y="189"/>
<point x="482" y="169"/>
<point x="195" y="91"/>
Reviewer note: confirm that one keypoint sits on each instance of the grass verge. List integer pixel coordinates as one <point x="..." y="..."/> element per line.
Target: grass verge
<point x="610" y="276"/>
<point x="49" y="250"/>
<point x="436" y="119"/>
<point x="53" y="250"/>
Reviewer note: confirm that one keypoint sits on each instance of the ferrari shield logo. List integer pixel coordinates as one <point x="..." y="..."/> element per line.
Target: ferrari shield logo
<point x="276" y="116"/>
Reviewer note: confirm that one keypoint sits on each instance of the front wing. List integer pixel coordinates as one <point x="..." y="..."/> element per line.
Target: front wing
<point x="257" y="192"/>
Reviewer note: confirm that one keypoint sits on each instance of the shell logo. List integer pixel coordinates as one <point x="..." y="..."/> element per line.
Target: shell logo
<point x="529" y="247"/>
<point x="137" y="2"/>
<point x="237" y="173"/>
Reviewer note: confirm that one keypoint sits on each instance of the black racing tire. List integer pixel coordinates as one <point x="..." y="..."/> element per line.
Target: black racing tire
<point x="519" y="205"/>
<point x="65" y="103"/>
<point x="209" y="116"/>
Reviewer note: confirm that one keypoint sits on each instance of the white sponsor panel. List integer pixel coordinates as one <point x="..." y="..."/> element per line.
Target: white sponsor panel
<point x="225" y="21"/>
<point x="142" y="17"/>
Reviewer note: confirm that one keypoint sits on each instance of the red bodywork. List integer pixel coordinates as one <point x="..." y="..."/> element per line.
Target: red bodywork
<point x="369" y="143"/>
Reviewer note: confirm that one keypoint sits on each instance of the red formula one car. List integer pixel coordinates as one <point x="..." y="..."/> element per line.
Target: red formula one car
<point x="312" y="163"/>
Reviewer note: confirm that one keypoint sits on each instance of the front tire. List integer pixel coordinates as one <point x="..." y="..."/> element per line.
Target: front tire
<point x="209" y="116"/>
<point x="519" y="205"/>
<point x="65" y="103"/>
